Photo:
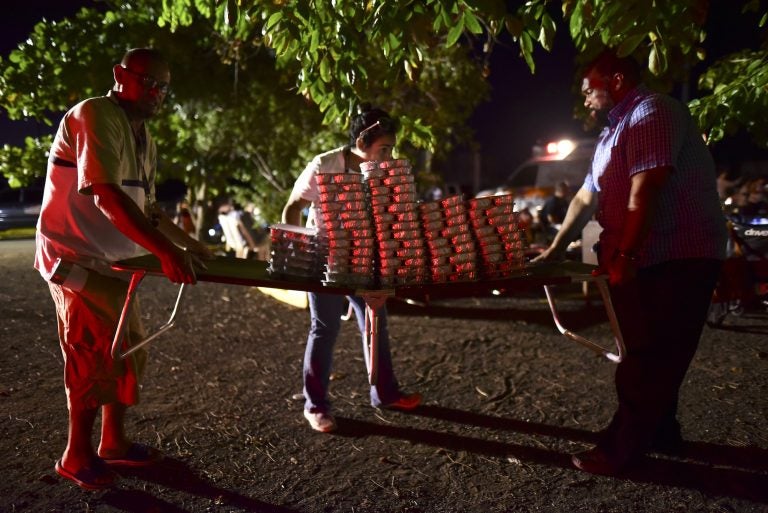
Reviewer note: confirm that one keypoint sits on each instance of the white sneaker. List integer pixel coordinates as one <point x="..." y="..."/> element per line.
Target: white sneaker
<point x="323" y="422"/>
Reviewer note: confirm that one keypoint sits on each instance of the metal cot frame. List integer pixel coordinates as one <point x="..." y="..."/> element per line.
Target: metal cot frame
<point x="254" y="273"/>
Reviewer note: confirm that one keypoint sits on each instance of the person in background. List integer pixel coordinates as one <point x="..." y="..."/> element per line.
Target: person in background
<point x="184" y="219"/>
<point x="238" y="229"/>
<point x="725" y="185"/>
<point x="748" y="201"/>
<point x="98" y="207"/>
<point x="526" y="223"/>
<point x="371" y="137"/>
<point x="652" y="184"/>
<point x="554" y="209"/>
<point x="757" y="199"/>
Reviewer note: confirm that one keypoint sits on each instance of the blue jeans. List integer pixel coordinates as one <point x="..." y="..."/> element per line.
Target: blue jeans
<point x="325" y="322"/>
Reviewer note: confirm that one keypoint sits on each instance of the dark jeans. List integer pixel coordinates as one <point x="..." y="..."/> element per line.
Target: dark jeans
<point x="325" y="312"/>
<point x="661" y="314"/>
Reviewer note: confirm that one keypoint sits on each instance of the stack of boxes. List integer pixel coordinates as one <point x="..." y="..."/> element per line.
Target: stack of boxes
<point x="499" y="238"/>
<point x="296" y="251"/>
<point x="346" y="220"/>
<point x="452" y="251"/>
<point x="377" y="234"/>
<point x="401" y="257"/>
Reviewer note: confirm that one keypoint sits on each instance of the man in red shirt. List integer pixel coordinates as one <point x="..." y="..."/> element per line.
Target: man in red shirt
<point x="98" y="207"/>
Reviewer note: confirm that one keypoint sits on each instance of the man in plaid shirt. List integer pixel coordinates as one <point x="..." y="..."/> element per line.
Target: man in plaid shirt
<point x="652" y="187"/>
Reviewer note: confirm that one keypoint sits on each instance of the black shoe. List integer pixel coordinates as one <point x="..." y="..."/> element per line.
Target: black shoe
<point x="667" y="438"/>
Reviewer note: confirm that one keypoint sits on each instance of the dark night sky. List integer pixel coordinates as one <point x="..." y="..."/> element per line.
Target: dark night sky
<point x="523" y="108"/>
<point x="16" y="22"/>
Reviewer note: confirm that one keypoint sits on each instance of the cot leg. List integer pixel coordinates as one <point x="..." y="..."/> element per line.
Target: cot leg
<point x="602" y="286"/>
<point x="170" y="323"/>
<point x="372" y="304"/>
<point x="117" y="340"/>
<point x="120" y="332"/>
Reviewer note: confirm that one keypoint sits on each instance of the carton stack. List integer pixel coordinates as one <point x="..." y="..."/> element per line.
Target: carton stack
<point x="500" y="241"/>
<point x="401" y="256"/>
<point x="346" y="221"/>
<point x="451" y="247"/>
<point x="376" y="233"/>
<point x="296" y="251"/>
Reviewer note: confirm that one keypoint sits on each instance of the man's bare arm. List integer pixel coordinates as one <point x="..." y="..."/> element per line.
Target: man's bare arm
<point x="127" y="217"/>
<point x="580" y="211"/>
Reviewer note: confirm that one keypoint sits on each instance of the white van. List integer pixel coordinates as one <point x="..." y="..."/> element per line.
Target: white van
<point x="533" y="181"/>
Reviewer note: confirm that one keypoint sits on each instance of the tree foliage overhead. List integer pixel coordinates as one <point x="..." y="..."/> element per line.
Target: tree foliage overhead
<point x="234" y="121"/>
<point x="338" y="47"/>
<point x="212" y="131"/>
<point x="261" y="85"/>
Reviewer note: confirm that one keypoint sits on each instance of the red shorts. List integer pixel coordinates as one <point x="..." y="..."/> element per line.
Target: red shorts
<point x="87" y="320"/>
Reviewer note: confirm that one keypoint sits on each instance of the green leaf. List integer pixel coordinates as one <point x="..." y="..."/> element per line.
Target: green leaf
<point x="629" y="44"/>
<point x="437" y="24"/>
<point x="273" y="20"/>
<point x="526" y="48"/>
<point x="576" y="23"/>
<point x="653" y="60"/>
<point x="472" y="23"/>
<point x="314" y="41"/>
<point x="657" y="59"/>
<point x="455" y="33"/>
<point x="394" y="40"/>
<point x="622" y="24"/>
<point x="610" y="13"/>
<point x="325" y="69"/>
<point x="547" y="32"/>
<point x="445" y="17"/>
<point x="526" y="43"/>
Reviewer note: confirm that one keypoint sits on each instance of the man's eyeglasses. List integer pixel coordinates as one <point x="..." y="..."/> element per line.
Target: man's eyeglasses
<point x="148" y="81"/>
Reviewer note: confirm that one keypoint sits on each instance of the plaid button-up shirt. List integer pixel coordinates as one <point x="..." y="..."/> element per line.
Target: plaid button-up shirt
<point x="646" y="131"/>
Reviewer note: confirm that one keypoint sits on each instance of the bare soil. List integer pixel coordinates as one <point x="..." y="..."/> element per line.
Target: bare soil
<point x="507" y="399"/>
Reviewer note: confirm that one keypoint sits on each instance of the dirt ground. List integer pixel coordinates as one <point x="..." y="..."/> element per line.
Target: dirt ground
<point x="507" y="399"/>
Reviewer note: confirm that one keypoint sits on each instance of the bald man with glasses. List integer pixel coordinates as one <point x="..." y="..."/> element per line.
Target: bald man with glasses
<point x="99" y="207"/>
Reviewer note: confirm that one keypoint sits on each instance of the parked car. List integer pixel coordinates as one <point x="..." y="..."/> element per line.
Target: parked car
<point x="20" y="207"/>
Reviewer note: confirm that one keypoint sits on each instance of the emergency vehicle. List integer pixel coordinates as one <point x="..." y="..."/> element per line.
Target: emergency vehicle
<point x="533" y="181"/>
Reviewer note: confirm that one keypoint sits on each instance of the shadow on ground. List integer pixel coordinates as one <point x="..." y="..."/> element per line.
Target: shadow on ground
<point x="174" y="474"/>
<point x="584" y="315"/>
<point x="715" y="469"/>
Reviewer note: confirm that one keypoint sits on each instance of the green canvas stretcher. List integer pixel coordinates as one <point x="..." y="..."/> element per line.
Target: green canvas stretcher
<point x="254" y="273"/>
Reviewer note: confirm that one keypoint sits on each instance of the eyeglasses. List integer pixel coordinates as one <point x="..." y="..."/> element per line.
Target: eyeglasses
<point x="148" y="81"/>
